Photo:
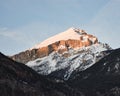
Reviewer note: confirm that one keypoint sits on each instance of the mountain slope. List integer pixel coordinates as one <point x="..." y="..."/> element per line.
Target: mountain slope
<point x="17" y="79"/>
<point x="101" y="79"/>
<point x="61" y="67"/>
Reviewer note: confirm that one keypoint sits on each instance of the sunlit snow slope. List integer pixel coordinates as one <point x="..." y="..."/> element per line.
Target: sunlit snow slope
<point x="71" y="33"/>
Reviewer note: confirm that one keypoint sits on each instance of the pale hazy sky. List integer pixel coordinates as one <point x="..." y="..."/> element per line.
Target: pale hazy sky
<point x="23" y="23"/>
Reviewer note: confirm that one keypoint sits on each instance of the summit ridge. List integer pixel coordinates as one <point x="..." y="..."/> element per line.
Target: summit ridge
<point x="70" y="34"/>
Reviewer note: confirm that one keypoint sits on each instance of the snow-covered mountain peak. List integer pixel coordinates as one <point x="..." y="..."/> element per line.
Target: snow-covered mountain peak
<point x="70" y="34"/>
<point x="64" y="53"/>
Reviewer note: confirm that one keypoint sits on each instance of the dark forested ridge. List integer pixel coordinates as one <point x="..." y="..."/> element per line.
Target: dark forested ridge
<point x="102" y="79"/>
<point x="16" y="79"/>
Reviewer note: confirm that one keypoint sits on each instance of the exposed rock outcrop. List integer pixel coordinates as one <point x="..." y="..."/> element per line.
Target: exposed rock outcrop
<point x="77" y="39"/>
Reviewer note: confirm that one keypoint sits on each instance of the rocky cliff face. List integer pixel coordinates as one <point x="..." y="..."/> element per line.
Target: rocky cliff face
<point x="72" y="38"/>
